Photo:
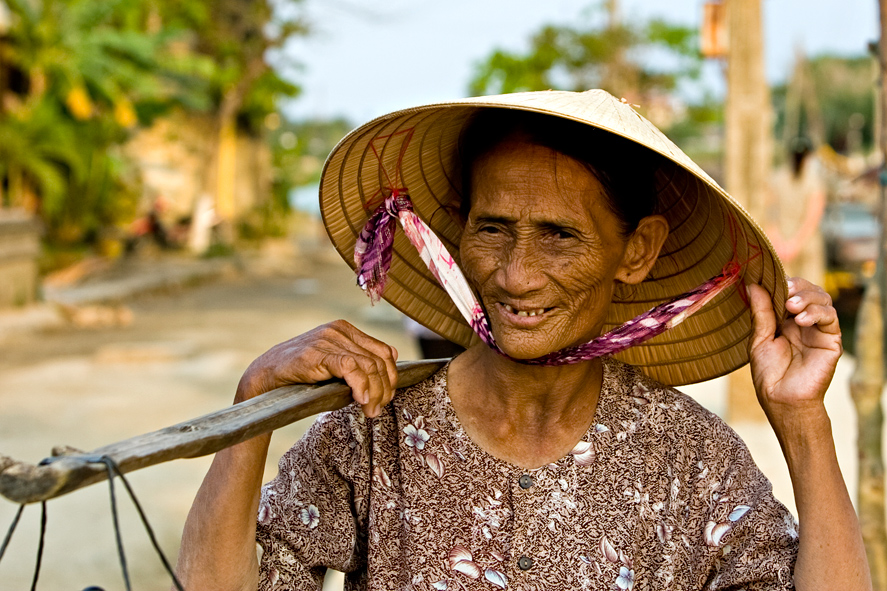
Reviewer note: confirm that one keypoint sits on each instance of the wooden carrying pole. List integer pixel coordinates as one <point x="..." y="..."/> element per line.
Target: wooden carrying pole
<point x="67" y="471"/>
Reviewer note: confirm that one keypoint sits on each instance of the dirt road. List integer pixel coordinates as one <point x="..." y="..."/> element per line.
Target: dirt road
<point x="181" y="357"/>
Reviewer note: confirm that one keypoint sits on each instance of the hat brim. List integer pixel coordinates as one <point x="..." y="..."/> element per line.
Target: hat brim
<point x="708" y="228"/>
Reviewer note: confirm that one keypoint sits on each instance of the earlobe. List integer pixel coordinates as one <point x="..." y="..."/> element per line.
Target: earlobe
<point x="643" y="249"/>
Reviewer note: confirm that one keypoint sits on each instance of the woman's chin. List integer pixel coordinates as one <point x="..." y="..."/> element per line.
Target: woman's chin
<point x="524" y="350"/>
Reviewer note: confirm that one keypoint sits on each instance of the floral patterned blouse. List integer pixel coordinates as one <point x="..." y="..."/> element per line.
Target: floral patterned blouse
<point x="658" y="494"/>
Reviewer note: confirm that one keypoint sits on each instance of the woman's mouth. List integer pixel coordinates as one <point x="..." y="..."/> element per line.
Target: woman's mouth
<point x="524" y="312"/>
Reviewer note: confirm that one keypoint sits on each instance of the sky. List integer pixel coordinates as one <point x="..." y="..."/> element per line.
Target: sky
<point x="368" y="57"/>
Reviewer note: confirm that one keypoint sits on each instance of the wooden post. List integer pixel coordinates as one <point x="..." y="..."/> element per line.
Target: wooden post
<point x="866" y="386"/>
<point x="749" y="151"/>
<point x="226" y="167"/>
<point x="867" y="382"/>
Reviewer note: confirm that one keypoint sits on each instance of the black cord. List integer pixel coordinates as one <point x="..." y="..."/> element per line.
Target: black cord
<point x="40" y="545"/>
<point x="113" y="469"/>
<point x="18" y="515"/>
<point x="112" y="465"/>
<point x="109" y="465"/>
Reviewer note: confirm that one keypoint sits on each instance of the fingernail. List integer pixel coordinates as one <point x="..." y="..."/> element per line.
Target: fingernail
<point x="791" y="284"/>
<point x="795" y="300"/>
<point x="801" y="316"/>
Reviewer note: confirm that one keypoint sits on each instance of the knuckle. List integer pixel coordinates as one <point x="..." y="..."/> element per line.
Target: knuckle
<point x="366" y="362"/>
<point x="337" y="327"/>
<point x="349" y="362"/>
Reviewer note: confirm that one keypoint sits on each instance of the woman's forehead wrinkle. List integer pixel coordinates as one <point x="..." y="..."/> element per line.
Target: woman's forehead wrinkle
<point x="540" y="185"/>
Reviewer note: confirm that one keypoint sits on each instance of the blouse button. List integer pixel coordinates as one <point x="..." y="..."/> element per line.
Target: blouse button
<point x="526" y="481"/>
<point x="525" y="562"/>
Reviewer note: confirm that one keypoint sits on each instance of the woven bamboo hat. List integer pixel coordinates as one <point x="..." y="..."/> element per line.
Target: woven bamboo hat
<point x="419" y="149"/>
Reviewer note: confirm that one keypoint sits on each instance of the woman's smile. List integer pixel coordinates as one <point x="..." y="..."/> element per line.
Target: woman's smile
<point x="524" y="315"/>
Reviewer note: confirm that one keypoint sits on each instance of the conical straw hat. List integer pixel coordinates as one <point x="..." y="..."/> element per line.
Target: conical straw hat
<point x="418" y="149"/>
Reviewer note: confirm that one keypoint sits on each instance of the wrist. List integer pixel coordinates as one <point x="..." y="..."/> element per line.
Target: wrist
<point x="250" y="384"/>
<point x="804" y="432"/>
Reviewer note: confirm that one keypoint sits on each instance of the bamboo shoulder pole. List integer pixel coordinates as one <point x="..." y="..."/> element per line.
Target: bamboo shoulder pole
<point x="67" y="470"/>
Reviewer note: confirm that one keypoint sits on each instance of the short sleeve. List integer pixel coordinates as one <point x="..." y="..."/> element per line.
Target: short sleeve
<point x="759" y="552"/>
<point x="308" y="520"/>
<point x="752" y="537"/>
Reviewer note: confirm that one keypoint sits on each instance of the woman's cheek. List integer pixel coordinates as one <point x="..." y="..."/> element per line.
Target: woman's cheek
<point x="480" y="257"/>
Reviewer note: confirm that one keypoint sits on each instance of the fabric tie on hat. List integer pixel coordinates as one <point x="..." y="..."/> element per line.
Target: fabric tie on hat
<point x="372" y="255"/>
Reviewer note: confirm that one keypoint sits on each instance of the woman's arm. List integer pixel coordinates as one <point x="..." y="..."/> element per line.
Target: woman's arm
<point x="791" y="373"/>
<point x="218" y="549"/>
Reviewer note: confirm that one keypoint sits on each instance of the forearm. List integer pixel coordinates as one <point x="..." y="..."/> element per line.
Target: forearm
<point x="219" y="542"/>
<point x="831" y="554"/>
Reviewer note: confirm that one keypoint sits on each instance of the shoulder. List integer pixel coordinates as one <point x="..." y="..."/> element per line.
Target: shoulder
<point x="348" y="428"/>
<point x="669" y="423"/>
<point x="633" y="389"/>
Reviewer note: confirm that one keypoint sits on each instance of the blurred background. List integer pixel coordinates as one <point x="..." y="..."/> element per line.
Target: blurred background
<point x="159" y="226"/>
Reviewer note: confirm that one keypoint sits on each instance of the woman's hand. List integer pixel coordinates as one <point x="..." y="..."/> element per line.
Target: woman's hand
<point x="792" y="371"/>
<point x="337" y="350"/>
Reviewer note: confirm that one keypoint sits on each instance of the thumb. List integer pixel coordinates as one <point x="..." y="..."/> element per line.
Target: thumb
<point x="762" y="315"/>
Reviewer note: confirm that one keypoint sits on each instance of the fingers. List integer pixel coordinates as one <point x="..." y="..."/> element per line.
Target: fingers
<point x="386" y="353"/>
<point x="366" y="364"/>
<point x="811" y="305"/>
<point x="337" y="349"/>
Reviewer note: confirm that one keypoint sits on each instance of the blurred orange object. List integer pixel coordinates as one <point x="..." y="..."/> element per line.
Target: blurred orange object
<point x="713" y="41"/>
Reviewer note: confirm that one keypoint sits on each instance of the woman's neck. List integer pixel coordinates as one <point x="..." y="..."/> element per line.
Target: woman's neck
<point x="528" y="415"/>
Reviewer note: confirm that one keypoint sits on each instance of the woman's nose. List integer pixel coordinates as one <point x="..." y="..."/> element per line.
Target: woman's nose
<point x="521" y="268"/>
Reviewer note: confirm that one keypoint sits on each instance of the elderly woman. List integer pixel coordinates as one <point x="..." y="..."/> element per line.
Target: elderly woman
<point x="539" y="459"/>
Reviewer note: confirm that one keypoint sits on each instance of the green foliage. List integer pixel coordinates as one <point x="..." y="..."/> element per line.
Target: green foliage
<point x="298" y="153"/>
<point x="299" y="150"/>
<point x="647" y="62"/>
<point x="87" y="73"/>
<point x="843" y="87"/>
<point x="78" y="76"/>
<point x="262" y="99"/>
<point x="236" y="35"/>
<point x="596" y="54"/>
<point x="42" y="146"/>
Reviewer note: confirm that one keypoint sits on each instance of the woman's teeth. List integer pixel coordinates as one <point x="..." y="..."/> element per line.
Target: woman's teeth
<point x="524" y="313"/>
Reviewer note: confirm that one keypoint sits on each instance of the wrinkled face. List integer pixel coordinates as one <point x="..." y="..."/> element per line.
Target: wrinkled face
<point x="541" y="248"/>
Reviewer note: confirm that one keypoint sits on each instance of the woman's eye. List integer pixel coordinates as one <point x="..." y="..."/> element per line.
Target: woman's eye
<point x="564" y="235"/>
<point x="488" y="230"/>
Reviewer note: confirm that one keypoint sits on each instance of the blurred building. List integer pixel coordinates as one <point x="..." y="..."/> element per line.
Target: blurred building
<point x="19" y="249"/>
<point x="172" y="157"/>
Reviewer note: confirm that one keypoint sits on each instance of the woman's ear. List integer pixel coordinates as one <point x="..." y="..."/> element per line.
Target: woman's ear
<point x="642" y="249"/>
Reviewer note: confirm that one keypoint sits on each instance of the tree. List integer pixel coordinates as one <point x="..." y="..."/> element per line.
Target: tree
<point x="238" y="36"/>
<point x="829" y="96"/>
<point x="88" y="72"/>
<point x="85" y="74"/>
<point x="600" y="53"/>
